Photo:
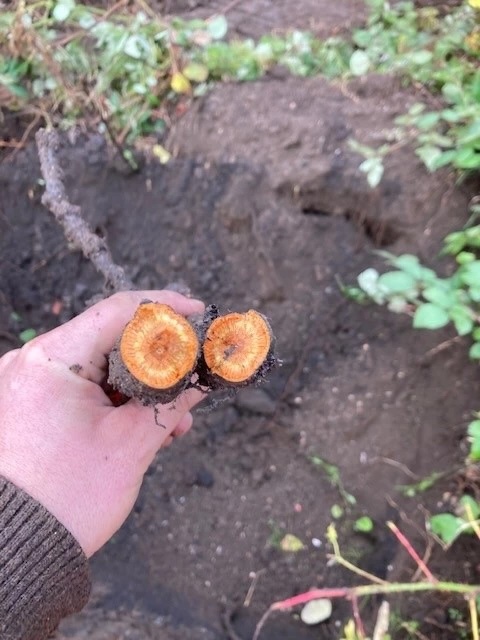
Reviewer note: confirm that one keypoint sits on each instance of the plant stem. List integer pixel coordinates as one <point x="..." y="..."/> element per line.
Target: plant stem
<point x="411" y="552"/>
<point x="472" y="606"/>
<point x="375" y="589"/>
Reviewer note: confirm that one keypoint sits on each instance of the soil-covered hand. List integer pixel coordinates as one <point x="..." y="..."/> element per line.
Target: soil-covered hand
<point x="63" y="441"/>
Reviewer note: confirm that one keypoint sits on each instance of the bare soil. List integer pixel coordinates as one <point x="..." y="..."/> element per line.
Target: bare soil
<point x="263" y="207"/>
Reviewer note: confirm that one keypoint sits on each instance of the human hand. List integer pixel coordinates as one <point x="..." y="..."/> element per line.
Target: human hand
<point x="62" y="440"/>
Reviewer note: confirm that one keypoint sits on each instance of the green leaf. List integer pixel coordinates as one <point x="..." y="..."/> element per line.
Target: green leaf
<point x="217" y="27"/>
<point x="368" y="281"/>
<point x="474" y="429"/>
<point x="462" y="319"/>
<point x="427" y="120"/>
<point x="474" y="438"/>
<point x="63" y="9"/>
<point x="291" y="543"/>
<point x="27" y="335"/>
<point x="465" y="257"/>
<point x="359" y="63"/>
<point x="446" y="526"/>
<point x="430" y="316"/>
<point x="470" y="273"/>
<point x="467" y="158"/>
<point x="440" y="296"/>
<point x="17" y="90"/>
<point x="135" y="47"/>
<point x="336" y="511"/>
<point x="471" y="134"/>
<point x="474" y="352"/>
<point x="473" y="505"/>
<point x="363" y="525"/>
<point x="429" y="155"/>
<point x="397" y="282"/>
<point x="420" y="57"/>
<point x="453" y="93"/>
<point x="196" y="72"/>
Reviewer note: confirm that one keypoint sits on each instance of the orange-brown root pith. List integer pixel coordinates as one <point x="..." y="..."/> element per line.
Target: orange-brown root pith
<point x="237" y="350"/>
<point x="156" y="355"/>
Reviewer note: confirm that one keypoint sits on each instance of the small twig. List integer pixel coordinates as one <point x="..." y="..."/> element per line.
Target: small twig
<point x="348" y="593"/>
<point x="383" y="621"/>
<point x="411" y="552"/>
<point x="69" y="216"/>
<point x="440" y="347"/>
<point x="472" y="606"/>
<point x="358" y="619"/>
<point x="397" y="465"/>
<point x="251" y="589"/>
<point x="227" y="616"/>
<point x="471" y="520"/>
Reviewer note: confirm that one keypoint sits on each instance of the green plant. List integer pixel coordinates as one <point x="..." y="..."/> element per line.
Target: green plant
<point x="431" y="300"/>
<point x="442" y="55"/>
<point x="448" y="526"/>
<point x="413" y="489"/>
<point x="333" y="474"/>
<point x="354" y="630"/>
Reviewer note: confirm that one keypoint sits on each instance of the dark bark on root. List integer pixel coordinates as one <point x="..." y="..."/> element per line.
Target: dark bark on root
<point x="69" y="216"/>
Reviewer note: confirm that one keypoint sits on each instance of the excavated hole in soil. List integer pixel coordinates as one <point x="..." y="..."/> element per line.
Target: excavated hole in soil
<point x="379" y="232"/>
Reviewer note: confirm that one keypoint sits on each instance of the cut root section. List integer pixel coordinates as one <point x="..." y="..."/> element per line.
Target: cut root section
<point x="238" y="347"/>
<point x="159" y="347"/>
<point x="156" y="355"/>
<point x="159" y="354"/>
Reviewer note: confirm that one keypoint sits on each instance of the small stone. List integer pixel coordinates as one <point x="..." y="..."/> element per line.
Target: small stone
<point x="316" y="611"/>
<point x="256" y="401"/>
<point x="204" y="478"/>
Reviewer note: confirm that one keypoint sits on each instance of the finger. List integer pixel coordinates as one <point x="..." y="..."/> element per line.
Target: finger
<point x="183" y="426"/>
<point x="7" y="359"/>
<point x="86" y="341"/>
<point x="167" y="442"/>
<point x="143" y="430"/>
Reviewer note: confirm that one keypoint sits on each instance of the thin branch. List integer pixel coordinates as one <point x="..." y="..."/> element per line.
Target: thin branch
<point x="70" y="218"/>
<point x="470" y="591"/>
<point x="383" y="621"/>
<point x="411" y="552"/>
<point x="472" y="607"/>
<point x="358" y="618"/>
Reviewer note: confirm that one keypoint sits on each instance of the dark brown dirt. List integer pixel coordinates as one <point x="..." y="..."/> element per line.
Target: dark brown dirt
<point x="263" y="207"/>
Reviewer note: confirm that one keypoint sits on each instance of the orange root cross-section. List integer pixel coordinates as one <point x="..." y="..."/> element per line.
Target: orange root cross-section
<point x="159" y="347"/>
<point x="237" y="345"/>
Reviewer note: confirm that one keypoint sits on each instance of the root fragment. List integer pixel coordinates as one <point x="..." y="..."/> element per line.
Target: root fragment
<point x="156" y="355"/>
<point x="238" y="348"/>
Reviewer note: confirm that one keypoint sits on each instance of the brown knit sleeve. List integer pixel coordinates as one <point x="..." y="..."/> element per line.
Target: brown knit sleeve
<point x="44" y="573"/>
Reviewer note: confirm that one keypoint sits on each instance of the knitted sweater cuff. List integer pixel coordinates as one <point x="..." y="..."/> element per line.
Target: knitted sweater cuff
<point x="44" y="573"/>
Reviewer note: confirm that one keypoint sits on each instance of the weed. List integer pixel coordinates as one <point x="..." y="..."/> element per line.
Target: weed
<point x="413" y="489"/>
<point x="354" y="630"/>
<point x="432" y="301"/>
<point x="70" y="62"/>
<point x="333" y="474"/>
<point x="442" y="55"/>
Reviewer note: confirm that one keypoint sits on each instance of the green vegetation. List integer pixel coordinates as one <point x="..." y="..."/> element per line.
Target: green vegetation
<point x="448" y="526"/>
<point x="431" y="300"/>
<point x="67" y="62"/>
<point x="333" y="474"/>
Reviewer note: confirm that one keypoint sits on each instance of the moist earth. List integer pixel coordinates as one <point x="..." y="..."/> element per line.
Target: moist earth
<point x="263" y="207"/>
